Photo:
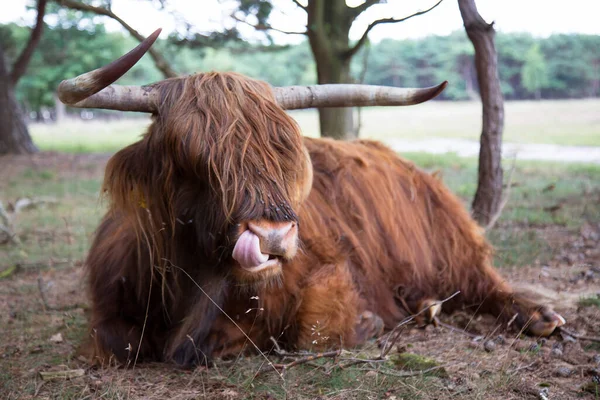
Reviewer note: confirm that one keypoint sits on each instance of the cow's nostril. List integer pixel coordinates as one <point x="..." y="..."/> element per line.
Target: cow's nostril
<point x="265" y="229"/>
<point x="276" y="238"/>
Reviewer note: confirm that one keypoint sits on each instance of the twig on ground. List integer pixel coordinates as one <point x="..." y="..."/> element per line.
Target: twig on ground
<point x="355" y="361"/>
<point x="303" y="360"/>
<point x="408" y="374"/>
<point x="578" y="336"/>
<point x="386" y="348"/>
<point x="68" y="374"/>
<point x="458" y="330"/>
<point x="276" y="345"/>
<point x="513" y="372"/>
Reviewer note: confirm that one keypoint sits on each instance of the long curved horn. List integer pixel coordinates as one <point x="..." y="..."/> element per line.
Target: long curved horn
<point x="86" y="90"/>
<point x="342" y="95"/>
<point x="94" y="90"/>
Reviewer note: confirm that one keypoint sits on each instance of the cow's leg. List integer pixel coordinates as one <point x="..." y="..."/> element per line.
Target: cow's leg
<point x="486" y="291"/>
<point x="118" y="309"/>
<point x="117" y="324"/>
<point x="190" y="344"/>
<point x="332" y="313"/>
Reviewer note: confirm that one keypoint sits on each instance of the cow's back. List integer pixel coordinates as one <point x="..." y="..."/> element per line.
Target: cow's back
<point x="396" y="227"/>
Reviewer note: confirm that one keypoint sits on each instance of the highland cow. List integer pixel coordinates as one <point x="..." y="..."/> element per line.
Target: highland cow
<point x="226" y="226"/>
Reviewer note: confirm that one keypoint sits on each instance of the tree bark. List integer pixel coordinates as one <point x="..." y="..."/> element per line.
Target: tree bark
<point x="14" y="136"/>
<point x="489" y="187"/>
<point x="328" y="26"/>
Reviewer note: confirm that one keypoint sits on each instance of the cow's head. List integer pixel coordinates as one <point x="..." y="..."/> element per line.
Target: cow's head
<point x="222" y="156"/>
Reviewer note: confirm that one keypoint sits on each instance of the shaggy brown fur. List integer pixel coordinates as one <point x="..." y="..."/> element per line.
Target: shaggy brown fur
<point x="377" y="235"/>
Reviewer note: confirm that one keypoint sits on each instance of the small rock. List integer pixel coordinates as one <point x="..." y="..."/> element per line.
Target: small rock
<point x="589" y="275"/>
<point x="534" y="348"/>
<point x="542" y="342"/>
<point x="56" y="338"/>
<point x="556" y="352"/>
<point x="558" y="345"/>
<point x="500" y="340"/>
<point x="489" y="346"/>
<point x="563" y="372"/>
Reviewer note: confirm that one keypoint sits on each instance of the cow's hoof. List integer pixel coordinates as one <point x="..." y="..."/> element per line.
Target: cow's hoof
<point x="427" y="311"/>
<point x="543" y="322"/>
<point x="368" y="325"/>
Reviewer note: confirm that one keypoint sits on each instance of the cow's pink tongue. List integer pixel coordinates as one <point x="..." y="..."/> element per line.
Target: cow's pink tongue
<point x="247" y="251"/>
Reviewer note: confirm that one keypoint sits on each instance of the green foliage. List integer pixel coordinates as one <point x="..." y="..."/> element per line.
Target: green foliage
<point x="560" y="66"/>
<point x="65" y="51"/>
<point x="534" y="73"/>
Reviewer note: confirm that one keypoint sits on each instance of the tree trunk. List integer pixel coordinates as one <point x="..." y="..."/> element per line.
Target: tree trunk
<point x="329" y="22"/>
<point x="335" y="122"/>
<point x="14" y="136"/>
<point x="489" y="187"/>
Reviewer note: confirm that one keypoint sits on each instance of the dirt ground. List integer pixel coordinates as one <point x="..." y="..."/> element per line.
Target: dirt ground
<point x="43" y="324"/>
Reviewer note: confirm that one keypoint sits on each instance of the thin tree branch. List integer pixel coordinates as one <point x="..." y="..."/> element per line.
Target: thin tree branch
<point x="265" y="27"/>
<point x="20" y="65"/>
<point x="161" y="63"/>
<point x="359" y="9"/>
<point x="303" y="360"/>
<point x="299" y="5"/>
<point x="353" y="50"/>
<point x="458" y="330"/>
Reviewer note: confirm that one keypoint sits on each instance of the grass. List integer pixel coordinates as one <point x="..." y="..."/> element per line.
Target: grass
<point x="75" y="136"/>
<point x="592" y="301"/>
<point x="560" y="122"/>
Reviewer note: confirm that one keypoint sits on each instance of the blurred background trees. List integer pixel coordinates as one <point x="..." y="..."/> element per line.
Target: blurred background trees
<point x="557" y="67"/>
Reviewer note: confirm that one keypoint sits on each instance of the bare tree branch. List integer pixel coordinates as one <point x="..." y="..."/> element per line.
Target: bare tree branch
<point x="161" y="63"/>
<point x="353" y="50"/>
<point x="265" y="27"/>
<point x="299" y="5"/>
<point x="356" y="11"/>
<point x="36" y="34"/>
